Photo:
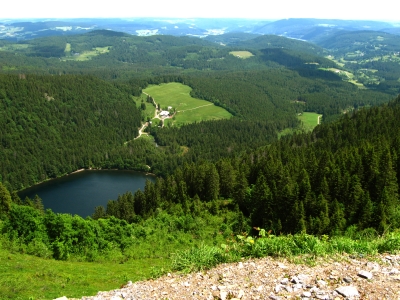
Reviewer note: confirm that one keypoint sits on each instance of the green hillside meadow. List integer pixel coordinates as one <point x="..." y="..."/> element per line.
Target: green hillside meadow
<point x="188" y="109"/>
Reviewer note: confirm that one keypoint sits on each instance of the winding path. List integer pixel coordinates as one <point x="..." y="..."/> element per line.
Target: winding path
<point x="141" y="130"/>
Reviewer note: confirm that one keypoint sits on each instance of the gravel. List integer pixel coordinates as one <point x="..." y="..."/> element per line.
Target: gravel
<point x="337" y="278"/>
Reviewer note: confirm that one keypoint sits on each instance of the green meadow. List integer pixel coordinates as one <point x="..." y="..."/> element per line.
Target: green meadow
<point x="29" y="277"/>
<point x="67" y="48"/>
<point x="309" y="120"/>
<point x="188" y="109"/>
<point x="86" y="55"/>
<point x="241" y="54"/>
<point x="14" y="47"/>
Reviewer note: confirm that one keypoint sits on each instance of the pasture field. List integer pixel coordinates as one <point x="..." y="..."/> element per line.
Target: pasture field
<point x="67" y="48"/>
<point x="189" y="109"/>
<point x="309" y="120"/>
<point x="345" y="75"/>
<point x="7" y="68"/>
<point x="87" y="55"/>
<point x="241" y="54"/>
<point x="14" y="47"/>
<point x="30" y="277"/>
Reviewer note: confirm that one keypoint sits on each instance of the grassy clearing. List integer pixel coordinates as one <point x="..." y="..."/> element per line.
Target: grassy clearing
<point x="7" y="68"/>
<point x="67" y="48"/>
<point x="14" y="47"/>
<point x="345" y="75"/>
<point x="189" y="110"/>
<point x="155" y="240"/>
<point x="341" y="73"/>
<point x="87" y="55"/>
<point x="349" y="77"/>
<point x="339" y="63"/>
<point x="241" y="54"/>
<point x="309" y="120"/>
<point x="30" y="277"/>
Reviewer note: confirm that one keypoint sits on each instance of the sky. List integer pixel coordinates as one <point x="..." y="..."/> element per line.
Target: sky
<point x="254" y="9"/>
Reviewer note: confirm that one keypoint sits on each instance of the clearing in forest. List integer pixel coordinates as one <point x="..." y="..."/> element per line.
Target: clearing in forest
<point x="188" y="109"/>
<point x="241" y="54"/>
<point x="67" y="48"/>
<point x="14" y="47"/>
<point x="85" y="55"/>
<point x="310" y="120"/>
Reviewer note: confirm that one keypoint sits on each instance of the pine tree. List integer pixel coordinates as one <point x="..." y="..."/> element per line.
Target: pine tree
<point x="337" y="219"/>
<point x="323" y="215"/>
<point x="354" y="200"/>
<point x="38" y="204"/>
<point x="15" y="198"/>
<point x="299" y="223"/>
<point x="263" y="213"/>
<point x="5" y="201"/>
<point x="211" y="183"/>
<point x="99" y="213"/>
<point x="366" y="213"/>
<point x="227" y="178"/>
<point x="240" y="193"/>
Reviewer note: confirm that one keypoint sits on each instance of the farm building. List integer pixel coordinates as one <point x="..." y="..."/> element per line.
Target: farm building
<point x="164" y="113"/>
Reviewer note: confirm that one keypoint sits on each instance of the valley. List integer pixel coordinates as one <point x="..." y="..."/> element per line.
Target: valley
<point x="267" y="138"/>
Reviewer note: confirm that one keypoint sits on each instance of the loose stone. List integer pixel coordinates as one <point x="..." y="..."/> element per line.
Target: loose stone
<point x="347" y="279"/>
<point x="284" y="281"/>
<point x="365" y="274"/>
<point x="348" y="291"/>
<point x="306" y="294"/>
<point x="288" y="288"/>
<point x="321" y="283"/>
<point x="223" y="295"/>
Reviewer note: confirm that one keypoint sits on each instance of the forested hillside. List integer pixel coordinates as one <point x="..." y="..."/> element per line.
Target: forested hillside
<point x="342" y="174"/>
<point x="73" y="102"/>
<point x="53" y="125"/>
<point x="265" y="93"/>
<point x="341" y="177"/>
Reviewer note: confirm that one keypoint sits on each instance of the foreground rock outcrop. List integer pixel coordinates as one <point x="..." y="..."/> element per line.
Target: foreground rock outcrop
<point x="345" y="277"/>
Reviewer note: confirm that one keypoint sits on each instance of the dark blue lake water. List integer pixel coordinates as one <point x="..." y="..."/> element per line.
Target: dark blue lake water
<point x="80" y="193"/>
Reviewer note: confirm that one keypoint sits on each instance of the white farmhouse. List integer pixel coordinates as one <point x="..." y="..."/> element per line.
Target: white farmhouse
<point x="164" y="113"/>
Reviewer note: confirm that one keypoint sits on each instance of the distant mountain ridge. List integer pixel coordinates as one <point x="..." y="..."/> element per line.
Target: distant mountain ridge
<point x="305" y="29"/>
<point x="314" y="29"/>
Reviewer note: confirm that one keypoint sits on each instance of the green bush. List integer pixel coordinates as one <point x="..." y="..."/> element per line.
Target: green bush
<point x="38" y="248"/>
<point x="199" y="258"/>
<point x="390" y="243"/>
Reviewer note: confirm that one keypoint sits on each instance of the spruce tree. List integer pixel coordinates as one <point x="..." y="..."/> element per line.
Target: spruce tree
<point x="5" y="201"/>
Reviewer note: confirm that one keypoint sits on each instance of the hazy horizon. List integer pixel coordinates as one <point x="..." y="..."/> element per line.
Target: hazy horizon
<point x="179" y="9"/>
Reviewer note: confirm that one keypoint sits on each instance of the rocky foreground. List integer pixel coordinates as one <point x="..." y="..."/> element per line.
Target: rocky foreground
<point x="346" y="277"/>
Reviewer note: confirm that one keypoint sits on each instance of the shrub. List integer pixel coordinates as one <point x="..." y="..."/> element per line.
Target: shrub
<point x="198" y="258"/>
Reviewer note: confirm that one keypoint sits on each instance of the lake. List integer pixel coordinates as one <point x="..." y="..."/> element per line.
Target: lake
<point x="81" y="192"/>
